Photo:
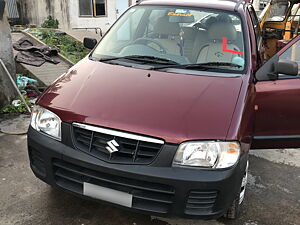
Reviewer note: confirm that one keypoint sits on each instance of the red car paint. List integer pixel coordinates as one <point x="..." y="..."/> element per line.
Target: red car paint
<point x="279" y="105"/>
<point x="174" y="107"/>
<point x="171" y="106"/>
<point x="160" y="105"/>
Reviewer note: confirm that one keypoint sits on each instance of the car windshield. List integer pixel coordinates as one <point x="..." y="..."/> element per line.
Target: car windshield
<point x="182" y="38"/>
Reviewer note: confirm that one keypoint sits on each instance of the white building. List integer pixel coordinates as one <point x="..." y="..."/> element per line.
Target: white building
<point x="73" y="13"/>
<point x="259" y="5"/>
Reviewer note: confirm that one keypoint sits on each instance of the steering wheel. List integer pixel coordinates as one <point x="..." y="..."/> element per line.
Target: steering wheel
<point x="143" y="40"/>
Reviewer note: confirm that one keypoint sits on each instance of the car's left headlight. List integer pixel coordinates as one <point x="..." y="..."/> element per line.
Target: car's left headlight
<point x="46" y="122"/>
<point x="208" y="154"/>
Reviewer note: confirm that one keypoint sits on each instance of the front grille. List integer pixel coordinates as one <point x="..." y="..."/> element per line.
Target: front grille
<point x="130" y="151"/>
<point x="148" y="196"/>
<point x="200" y="202"/>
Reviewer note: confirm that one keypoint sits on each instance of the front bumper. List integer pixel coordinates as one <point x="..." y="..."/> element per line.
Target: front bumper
<point x="157" y="189"/>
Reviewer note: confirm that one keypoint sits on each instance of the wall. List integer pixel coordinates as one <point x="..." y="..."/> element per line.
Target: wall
<point x="65" y="11"/>
<point x="37" y="11"/>
<point x="256" y="4"/>
<point x="260" y="3"/>
<point x="82" y="22"/>
<point x="7" y="92"/>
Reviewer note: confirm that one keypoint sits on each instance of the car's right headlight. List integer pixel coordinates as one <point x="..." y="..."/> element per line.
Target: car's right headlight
<point x="46" y="122"/>
<point x="207" y="154"/>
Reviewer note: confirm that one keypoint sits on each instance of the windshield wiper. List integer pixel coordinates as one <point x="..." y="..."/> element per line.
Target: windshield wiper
<point x="198" y="65"/>
<point x="142" y="58"/>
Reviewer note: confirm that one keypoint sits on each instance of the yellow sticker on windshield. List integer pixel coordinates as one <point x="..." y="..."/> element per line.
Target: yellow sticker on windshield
<point x="178" y="14"/>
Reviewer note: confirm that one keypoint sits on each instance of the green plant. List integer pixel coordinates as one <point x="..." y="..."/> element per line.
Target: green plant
<point x="21" y="108"/>
<point x="50" y="23"/>
<point x="69" y="47"/>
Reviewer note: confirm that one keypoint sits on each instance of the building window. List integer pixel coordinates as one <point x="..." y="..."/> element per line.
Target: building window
<point x="263" y="4"/>
<point x="92" y="8"/>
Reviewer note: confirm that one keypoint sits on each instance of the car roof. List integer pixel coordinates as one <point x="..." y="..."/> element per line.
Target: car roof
<point x="230" y="5"/>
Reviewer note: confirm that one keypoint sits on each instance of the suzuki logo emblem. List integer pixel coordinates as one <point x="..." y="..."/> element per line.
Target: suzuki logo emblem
<point x="112" y="146"/>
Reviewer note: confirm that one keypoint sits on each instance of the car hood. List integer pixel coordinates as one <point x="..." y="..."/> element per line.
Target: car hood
<point x="174" y="107"/>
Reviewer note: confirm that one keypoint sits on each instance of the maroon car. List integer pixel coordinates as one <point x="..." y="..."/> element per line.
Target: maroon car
<point x="161" y="115"/>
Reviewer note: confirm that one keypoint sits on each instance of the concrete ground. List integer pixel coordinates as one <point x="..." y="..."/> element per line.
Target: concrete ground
<point x="272" y="198"/>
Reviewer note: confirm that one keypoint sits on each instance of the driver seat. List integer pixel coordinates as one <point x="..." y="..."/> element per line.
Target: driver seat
<point x="167" y="34"/>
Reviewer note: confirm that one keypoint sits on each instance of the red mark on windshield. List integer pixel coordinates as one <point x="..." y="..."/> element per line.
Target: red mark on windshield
<point x="228" y="50"/>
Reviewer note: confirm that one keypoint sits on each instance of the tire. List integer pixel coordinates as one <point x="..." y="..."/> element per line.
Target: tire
<point x="235" y="208"/>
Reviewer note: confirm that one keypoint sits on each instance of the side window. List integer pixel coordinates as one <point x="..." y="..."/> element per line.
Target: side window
<point x="292" y="54"/>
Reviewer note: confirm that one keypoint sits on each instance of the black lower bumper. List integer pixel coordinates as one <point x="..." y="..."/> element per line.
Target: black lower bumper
<point x="162" y="191"/>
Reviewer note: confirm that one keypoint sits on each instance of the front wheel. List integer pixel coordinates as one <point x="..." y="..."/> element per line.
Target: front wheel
<point x="234" y="210"/>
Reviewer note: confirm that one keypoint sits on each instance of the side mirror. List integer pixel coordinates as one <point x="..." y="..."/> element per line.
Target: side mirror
<point x="274" y="67"/>
<point x="89" y="43"/>
<point x="287" y="67"/>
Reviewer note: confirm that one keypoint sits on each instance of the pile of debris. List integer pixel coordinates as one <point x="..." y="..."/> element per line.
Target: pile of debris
<point x="28" y="90"/>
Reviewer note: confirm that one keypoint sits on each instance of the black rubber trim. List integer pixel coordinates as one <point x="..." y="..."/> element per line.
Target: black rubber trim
<point x="276" y="137"/>
<point x="225" y="181"/>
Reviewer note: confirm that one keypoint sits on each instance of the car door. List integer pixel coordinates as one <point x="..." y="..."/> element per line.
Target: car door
<point x="278" y="100"/>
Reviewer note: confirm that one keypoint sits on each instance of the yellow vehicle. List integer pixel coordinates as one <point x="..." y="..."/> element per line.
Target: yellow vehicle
<point x="279" y="22"/>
